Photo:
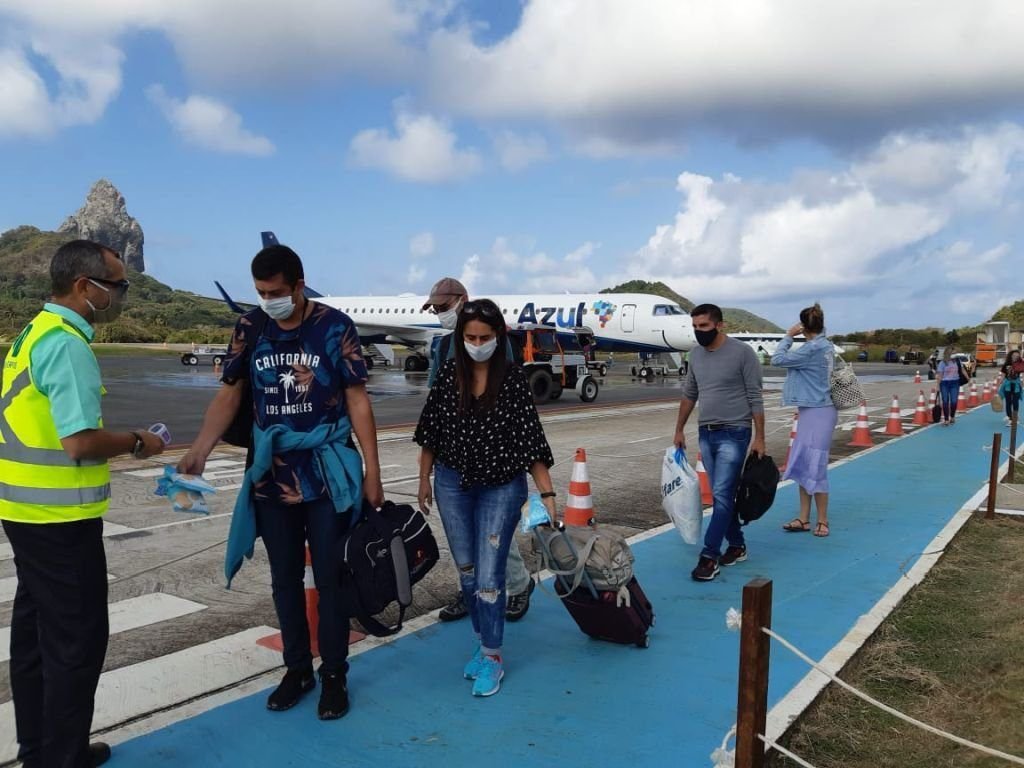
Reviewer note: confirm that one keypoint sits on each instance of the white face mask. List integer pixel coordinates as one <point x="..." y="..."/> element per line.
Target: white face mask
<point x="278" y="309"/>
<point x="450" y="317"/>
<point x="483" y="352"/>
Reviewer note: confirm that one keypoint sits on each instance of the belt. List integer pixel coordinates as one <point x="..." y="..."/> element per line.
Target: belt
<point x="714" y="427"/>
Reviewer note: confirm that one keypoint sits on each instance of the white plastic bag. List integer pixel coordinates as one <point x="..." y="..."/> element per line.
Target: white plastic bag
<point x="680" y="495"/>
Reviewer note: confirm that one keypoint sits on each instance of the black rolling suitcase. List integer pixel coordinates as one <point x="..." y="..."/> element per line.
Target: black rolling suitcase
<point x="623" y="616"/>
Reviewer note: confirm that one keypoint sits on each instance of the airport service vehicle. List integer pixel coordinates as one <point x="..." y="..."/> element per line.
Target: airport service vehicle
<point x="913" y="356"/>
<point x="970" y="366"/>
<point x="551" y="368"/>
<point x="211" y="355"/>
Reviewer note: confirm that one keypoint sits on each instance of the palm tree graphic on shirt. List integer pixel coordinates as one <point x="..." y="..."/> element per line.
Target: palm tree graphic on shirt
<point x="287" y="382"/>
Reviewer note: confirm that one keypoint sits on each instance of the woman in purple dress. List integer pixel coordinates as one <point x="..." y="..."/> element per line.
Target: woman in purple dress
<point x="807" y="387"/>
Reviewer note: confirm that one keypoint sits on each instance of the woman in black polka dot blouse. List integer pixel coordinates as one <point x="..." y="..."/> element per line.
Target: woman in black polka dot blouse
<point x="480" y="434"/>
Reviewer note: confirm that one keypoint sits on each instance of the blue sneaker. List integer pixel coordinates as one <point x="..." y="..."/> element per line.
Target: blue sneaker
<point x="472" y="669"/>
<point x="488" y="678"/>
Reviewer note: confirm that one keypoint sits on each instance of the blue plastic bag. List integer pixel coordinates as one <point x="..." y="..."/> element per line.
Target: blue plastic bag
<point x="534" y="513"/>
<point x="184" y="491"/>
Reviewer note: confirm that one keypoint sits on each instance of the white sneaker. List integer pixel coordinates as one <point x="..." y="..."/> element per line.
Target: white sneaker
<point x="1007" y="422"/>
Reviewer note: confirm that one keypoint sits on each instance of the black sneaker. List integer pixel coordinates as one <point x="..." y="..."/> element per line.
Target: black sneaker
<point x="99" y="753"/>
<point x="733" y="555"/>
<point x="518" y="604"/>
<point x="455" y="610"/>
<point x="333" y="696"/>
<point x="295" y="683"/>
<point x="706" y="569"/>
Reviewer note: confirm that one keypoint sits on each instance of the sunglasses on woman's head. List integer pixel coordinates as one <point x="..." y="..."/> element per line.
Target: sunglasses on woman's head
<point x="471" y="308"/>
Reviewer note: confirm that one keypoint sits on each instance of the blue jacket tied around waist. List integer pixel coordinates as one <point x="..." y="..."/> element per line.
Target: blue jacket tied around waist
<point x="341" y="465"/>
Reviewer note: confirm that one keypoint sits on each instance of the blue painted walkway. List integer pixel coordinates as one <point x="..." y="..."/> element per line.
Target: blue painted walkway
<point x="571" y="701"/>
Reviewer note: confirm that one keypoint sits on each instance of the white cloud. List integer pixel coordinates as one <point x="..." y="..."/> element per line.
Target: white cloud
<point x="503" y="269"/>
<point x="884" y="229"/>
<point x="422" y="245"/>
<point x="207" y="123"/>
<point x="24" y="103"/>
<point x="415" y="274"/>
<point x="517" y="151"/>
<point x="470" y="274"/>
<point x="633" y="75"/>
<point x="422" y="149"/>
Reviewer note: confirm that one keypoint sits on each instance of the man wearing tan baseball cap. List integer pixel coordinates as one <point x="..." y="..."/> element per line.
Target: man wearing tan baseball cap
<point x="445" y="300"/>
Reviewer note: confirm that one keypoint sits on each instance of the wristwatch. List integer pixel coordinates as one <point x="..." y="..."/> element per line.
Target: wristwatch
<point x="139" y="445"/>
<point x="548" y="495"/>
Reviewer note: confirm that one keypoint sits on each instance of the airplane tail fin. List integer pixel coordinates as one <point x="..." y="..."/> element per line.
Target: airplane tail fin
<point x="269" y="238"/>
<point x="235" y="307"/>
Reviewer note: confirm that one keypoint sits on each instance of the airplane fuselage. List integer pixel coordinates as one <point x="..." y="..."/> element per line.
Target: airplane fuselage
<point x="623" y="322"/>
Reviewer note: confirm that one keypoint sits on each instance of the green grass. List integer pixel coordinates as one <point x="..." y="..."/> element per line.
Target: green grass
<point x="950" y="655"/>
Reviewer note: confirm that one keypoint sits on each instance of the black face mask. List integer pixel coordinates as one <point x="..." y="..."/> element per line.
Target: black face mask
<point x="706" y="338"/>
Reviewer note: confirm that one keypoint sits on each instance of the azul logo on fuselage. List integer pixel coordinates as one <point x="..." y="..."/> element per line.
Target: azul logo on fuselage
<point x="563" y="317"/>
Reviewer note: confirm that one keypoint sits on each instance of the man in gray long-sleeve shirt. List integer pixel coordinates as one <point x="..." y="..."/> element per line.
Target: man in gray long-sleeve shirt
<point x="725" y="377"/>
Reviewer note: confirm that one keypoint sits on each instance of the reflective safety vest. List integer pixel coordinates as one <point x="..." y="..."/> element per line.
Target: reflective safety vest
<point x="39" y="482"/>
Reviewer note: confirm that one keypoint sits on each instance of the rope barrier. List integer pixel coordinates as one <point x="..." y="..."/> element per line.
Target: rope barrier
<point x="886" y="708"/>
<point x="782" y="750"/>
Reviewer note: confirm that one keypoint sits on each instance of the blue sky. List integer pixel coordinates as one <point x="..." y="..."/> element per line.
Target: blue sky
<point x="864" y="155"/>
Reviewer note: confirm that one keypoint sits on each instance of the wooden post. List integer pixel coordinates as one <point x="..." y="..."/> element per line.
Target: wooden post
<point x="1013" y="449"/>
<point x="755" y="645"/>
<point x="993" y="476"/>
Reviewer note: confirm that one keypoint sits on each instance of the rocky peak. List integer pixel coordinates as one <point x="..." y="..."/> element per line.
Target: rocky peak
<point x="104" y="218"/>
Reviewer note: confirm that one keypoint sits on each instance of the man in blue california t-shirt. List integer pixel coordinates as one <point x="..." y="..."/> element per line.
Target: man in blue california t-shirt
<point x="303" y="363"/>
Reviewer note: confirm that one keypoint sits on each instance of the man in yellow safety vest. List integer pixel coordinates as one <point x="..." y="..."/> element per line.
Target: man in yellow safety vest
<point x="54" y="489"/>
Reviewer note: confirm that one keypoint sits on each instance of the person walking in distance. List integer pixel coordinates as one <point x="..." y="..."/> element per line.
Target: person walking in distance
<point x="725" y="377"/>
<point x="445" y="299"/>
<point x="56" y="488"/>
<point x="949" y="385"/>
<point x="807" y="387"/>
<point x="304" y="365"/>
<point x="1010" y="389"/>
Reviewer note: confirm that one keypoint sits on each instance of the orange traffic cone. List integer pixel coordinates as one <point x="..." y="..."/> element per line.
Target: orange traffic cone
<point x="986" y="392"/>
<point x="707" y="498"/>
<point x="792" y="437"/>
<point x="972" y="401"/>
<point x="579" y="510"/>
<point x="921" y="416"/>
<point x="961" y="401"/>
<point x="862" y="431"/>
<point x="894" y="427"/>
<point x="931" y="399"/>
<point x="917" y="377"/>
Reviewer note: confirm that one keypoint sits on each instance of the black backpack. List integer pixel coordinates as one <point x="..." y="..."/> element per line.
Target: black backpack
<point x="756" y="492"/>
<point x="387" y="551"/>
<point x="239" y="431"/>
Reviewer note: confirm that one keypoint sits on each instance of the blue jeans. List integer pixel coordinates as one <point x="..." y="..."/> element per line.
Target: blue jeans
<point x="950" y="391"/>
<point x="285" y="529"/>
<point x="480" y="524"/>
<point x="723" y="452"/>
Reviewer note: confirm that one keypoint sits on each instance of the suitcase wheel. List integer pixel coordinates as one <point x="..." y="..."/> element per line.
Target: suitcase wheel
<point x="645" y="642"/>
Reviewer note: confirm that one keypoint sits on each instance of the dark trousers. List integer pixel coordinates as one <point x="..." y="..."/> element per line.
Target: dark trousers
<point x="59" y="634"/>
<point x="285" y="529"/>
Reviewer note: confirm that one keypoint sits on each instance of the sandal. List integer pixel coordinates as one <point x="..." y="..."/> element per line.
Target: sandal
<point x="821" y="530"/>
<point x="796" y="525"/>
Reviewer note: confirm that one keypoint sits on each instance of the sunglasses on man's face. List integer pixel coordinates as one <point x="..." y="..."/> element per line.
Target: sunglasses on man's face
<point x="471" y="308"/>
<point x="121" y="286"/>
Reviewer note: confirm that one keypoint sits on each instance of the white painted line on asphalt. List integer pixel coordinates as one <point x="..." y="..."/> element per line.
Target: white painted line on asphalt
<point x="158" y="471"/>
<point x="130" y="614"/>
<point x="187" y="521"/>
<point x="149" y="686"/>
<point x="9" y="586"/>
<point x="113" y="529"/>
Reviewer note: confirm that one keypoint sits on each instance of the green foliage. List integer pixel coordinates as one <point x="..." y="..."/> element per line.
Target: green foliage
<point x="736" y="319"/>
<point x="1014" y="314"/>
<point x="154" y="312"/>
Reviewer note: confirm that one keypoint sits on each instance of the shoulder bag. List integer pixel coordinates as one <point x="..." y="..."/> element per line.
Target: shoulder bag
<point x="844" y="388"/>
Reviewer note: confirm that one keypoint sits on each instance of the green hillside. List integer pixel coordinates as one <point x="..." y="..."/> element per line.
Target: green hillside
<point x="1014" y="314"/>
<point x="154" y="312"/>
<point x="737" y="319"/>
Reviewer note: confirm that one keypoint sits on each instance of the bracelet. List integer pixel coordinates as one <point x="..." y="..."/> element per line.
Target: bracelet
<point x="548" y="495"/>
<point x="139" y="444"/>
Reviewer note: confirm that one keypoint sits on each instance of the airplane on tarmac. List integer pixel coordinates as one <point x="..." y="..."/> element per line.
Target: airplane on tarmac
<point x="620" y="322"/>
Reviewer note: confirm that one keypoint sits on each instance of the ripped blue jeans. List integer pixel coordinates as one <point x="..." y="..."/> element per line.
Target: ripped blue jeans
<point x="480" y="524"/>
